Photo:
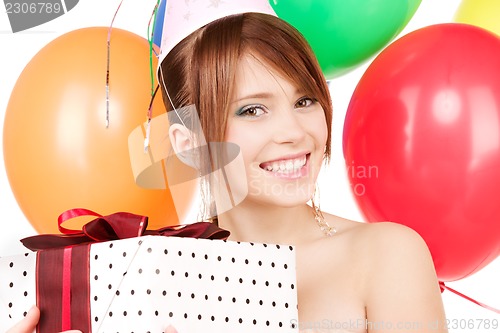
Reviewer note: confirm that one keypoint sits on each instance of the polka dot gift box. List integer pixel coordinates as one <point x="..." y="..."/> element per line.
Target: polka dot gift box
<point x="143" y="284"/>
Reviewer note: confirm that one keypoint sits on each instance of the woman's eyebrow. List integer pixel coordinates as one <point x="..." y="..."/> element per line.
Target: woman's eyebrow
<point x="259" y="95"/>
<point x="264" y="95"/>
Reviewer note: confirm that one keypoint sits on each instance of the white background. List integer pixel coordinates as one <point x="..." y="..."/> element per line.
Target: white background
<point x="18" y="49"/>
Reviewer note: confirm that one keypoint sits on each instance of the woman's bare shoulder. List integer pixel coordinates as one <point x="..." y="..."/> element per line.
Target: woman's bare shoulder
<point x="384" y="269"/>
<point x="385" y="234"/>
<point x="371" y="243"/>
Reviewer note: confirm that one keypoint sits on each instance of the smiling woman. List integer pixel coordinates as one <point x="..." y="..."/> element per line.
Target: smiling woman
<point x="275" y="105"/>
<point x="255" y="82"/>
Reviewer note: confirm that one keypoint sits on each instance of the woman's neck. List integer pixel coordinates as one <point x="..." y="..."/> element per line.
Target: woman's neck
<point x="252" y="222"/>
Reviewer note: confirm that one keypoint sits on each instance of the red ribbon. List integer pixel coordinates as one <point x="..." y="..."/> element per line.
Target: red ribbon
<point x="63" y="269"/>
<point x="66" y="289"/>
<point x="62" y="289"/>
<point x="445" y="287"/>
<point x="116" y="226"/>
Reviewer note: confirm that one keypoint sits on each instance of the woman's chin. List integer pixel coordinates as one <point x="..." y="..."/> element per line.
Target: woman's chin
<point x="279" y="200"/>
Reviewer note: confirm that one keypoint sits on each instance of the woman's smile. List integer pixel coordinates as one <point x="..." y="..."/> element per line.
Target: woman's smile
<point x="291" y="167"/>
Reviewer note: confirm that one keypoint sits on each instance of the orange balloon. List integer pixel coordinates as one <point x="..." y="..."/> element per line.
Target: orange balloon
<point x="58" y="152"/>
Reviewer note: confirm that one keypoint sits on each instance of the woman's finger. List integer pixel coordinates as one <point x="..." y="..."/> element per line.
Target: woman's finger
<point x="28" y="324"/>
<point x="170" y="329"/>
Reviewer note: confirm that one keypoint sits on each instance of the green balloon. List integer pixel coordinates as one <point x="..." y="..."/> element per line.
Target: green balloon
<point x="345" y="33"/>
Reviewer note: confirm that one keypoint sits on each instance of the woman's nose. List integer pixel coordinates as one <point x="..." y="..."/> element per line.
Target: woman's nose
<point x="288" y="128"/>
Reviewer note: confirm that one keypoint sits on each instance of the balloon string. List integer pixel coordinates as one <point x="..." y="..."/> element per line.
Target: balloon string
<point x="443" y="286"/>
<point x="107" y="63"/>
<point x="148" y="124"/>
<point x="150" y="35"/>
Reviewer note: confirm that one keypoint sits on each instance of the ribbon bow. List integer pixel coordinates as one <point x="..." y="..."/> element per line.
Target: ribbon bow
<point x="116" y="226"/>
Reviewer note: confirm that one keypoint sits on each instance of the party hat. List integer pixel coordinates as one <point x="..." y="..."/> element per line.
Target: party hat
<point x="182" y="17"/>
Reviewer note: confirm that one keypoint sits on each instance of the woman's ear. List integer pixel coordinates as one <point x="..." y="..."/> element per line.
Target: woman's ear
<point x="182" y="141"/>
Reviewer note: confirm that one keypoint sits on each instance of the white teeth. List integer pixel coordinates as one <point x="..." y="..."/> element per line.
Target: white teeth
<point x="297" y="164"/>
<point x="286" y="166"/>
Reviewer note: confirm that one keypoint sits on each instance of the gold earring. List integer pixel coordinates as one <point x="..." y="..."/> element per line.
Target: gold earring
<point x="318" y="215"/>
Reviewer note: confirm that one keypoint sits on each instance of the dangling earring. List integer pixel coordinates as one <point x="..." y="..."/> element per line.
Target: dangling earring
<point x="318" y="215"/>
<point x="208" y="209"/>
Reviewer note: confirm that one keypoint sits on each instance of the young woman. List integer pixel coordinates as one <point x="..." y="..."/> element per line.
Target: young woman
<point x="255" y="82"/>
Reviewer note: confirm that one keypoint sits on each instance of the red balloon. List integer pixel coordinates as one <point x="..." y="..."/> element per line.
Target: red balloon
<point x="422" y="143"/>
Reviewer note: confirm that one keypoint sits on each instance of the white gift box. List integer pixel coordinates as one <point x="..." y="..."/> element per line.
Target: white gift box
<point x="146" y="283"/>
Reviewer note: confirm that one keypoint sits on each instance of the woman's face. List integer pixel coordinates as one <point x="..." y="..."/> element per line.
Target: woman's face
<point x="281" y="132"/>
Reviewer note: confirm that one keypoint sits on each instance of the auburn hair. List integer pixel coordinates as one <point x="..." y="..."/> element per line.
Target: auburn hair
<point x="201" y="69"/>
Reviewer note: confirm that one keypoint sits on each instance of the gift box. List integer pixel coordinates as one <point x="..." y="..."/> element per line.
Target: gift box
<point x="144" y="284"/>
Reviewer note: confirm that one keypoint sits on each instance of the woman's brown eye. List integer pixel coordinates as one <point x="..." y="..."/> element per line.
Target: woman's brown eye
<point x="304" y="102"/>
<point x="251" y="111"/>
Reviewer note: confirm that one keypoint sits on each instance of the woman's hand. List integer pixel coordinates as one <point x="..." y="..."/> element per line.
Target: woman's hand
<point x="170" y="329"/>
<point x="28" y="324"/>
